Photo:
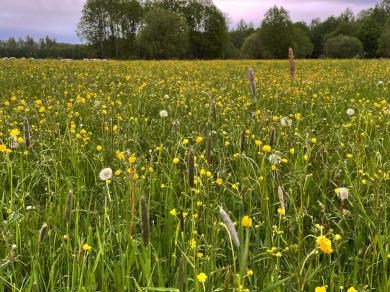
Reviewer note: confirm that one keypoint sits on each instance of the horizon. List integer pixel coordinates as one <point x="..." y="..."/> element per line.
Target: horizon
<point x="43" y="18"/>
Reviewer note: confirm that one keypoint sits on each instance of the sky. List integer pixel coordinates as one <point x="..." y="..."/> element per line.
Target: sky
<point x="59" y="18"/>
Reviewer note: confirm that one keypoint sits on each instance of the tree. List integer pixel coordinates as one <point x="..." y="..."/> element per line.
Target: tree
<point x="252" y="47"/>
<point x="384" y="41"/>
<point x="343" y="46"/>
<point x="108" y="24"/>
<point x="164" y="36"/>
<point x="276" y="32"/>
<point x="301" y="43"/>
<point x="369" y="33"/>
<point x="240" y="33"/>
<point x="318" y="31"/>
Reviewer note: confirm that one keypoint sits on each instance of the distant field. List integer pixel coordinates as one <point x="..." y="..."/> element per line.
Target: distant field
<point x="303" y="174"/>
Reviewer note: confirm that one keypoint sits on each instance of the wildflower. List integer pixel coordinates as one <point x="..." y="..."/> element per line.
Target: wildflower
<point x="267" y="148"/>
<point x="86" y="247"/>
<point x="230" y="227"/>
<point x="313" y="140"/>
<point x="349" y="155"/>
<point x="99" y="148"/>
<point x="219" y="181"/>
<point x="199" y="255"/>
<point x="175" y="160"/>
<point x="14" y="132"/>
<point x="278" y="255"/>
<point x="274" y="159"/>
<point x="118" y="172"/>
<point x="3" y="148"/>
<point x="199" y="139"/>
<point x="351" y="289"/>
<point x="246" y="222"/>
<point x="249" y="273"/>
<point x="173" y="212"/>
<point x="337" y="237"/>
<point x="42" y="109"/>
<point x="292" y="151"/>
<point x="285" y="122"/>
<point x="120" y="155"/>
<point x="342" y="193"/>
<point x="185" y="141"/>
<point x="281" y="211"/>
<point x="320" y="289"/>
<point x="306" y="157"/>
<point x="324" y="244"/>
<point x="132" y="159"/>
<point x="193" y="243"/>
<point x="105" y="174"/>
<point x="201" y="277"/>
<point x="257" y="142"/>
<point x="350" y="112"/>
<point x="163" y="113"/>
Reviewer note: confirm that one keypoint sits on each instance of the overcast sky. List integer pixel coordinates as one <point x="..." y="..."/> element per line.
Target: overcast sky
<point x="59" y="18"/>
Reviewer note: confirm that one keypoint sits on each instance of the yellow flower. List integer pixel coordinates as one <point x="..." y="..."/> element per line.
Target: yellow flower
<point x="14" y="132"/>
<point x="278" y="255"/>
<point x="173" y="212"/>
<point x="120" y="155"/>
<point x="313" y="140"/>
<point x="281" y="211"/>
<point x="258" y="142"/>
<point x="306" y="157"/>
<point x="99" y="148"/>
<point x="199" y="139"/>
<point x="351" y="289"/>
<point x="337" y="237"/>
<point x="298" y="117"/>
<point x="86" y="247"/>
<point x="3" y="148"/>
<point x="117" y="172"/>
<point x="246" y="221"/>
<point x="219" y="181"/>
<point x="249" y="273"/>
<point x="324" y="244"/>
<point x="320" y="289"/>
<point x="200" y="255"/>
<point x="132" y="159"/>
<point x="267" y="148"/>
<point x="176" y="160"/>
<point x="292" y="151"/>
<point x="185" y="141"/>
<point x="42" y="109"/>
<point x="20" y="140"/>
<point x="193" y="243"/>
<point x="201" y="277"/>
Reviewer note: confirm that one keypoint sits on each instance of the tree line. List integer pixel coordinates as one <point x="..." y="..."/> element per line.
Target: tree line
<point x="197" y="29"/>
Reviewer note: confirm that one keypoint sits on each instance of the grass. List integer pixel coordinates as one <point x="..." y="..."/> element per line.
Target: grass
<point x="87" y="116"/>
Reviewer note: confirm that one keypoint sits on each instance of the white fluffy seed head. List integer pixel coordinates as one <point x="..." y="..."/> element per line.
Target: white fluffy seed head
<point x="274" y="159"/>
<point x="105" y="174"/>
<point x="163" y="113"/>
<point x="350" y="112"/>
<point x="343" y="194"/>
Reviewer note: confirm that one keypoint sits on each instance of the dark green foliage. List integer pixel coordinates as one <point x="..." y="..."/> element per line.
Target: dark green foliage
<point x="276" y="33"/>
<point x="164" y="36"/>
<point x="343" y="46"/>
<point x="252" y="47"/>
<point x="384" y="41"/>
